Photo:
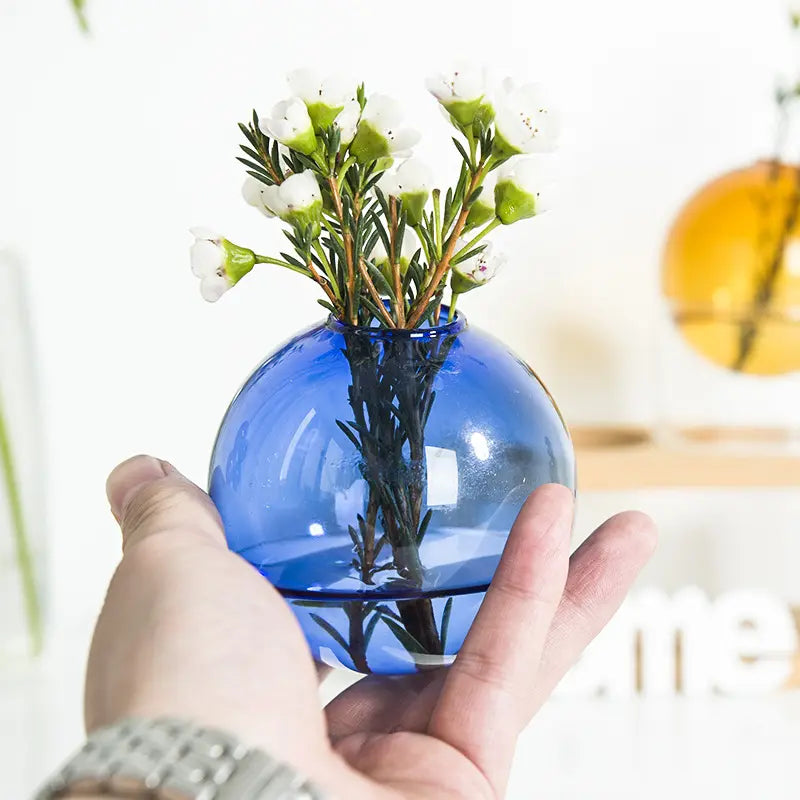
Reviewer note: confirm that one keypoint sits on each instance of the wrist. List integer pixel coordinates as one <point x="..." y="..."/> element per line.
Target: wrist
<point x="168" y="759"/>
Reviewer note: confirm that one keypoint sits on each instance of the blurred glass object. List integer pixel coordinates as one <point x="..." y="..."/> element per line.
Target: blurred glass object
<point x="22" y="530"/>
<point x="731" y="278"/>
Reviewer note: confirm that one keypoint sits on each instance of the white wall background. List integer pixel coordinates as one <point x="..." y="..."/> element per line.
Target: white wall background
<point x="111" y="146"/>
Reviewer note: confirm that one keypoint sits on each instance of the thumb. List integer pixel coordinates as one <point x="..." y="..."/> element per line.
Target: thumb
<point x="149" y="496"/>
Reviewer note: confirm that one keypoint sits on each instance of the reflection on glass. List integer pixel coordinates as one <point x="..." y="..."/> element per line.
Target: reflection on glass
<point x="373" y="477"/>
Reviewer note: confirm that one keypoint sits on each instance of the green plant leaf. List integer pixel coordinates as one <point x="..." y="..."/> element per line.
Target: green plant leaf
<point x="423" y="528"/>
<point x="445" y="622"/>
<point x="464" y="155"/>
<point x="403" y="636"/>
<point x="370" y="629"/>
<point x="325" y="304"/>
<point x="79" y="6"/>
<point x="349" y="434"/>
<point x="331" y="631"/>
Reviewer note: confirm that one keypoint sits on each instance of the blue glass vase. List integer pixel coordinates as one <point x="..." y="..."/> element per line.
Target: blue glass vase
<point x="373" y="476"/>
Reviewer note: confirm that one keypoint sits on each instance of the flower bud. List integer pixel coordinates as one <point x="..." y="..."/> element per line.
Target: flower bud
<point x="462" y="94"/>
<point x="218" y="263"/>
<point x="521" y="191"/>
<point x="324" y="98"/>
<point x="525" y="121"/>
<point x="380" y="257"/>
<point x="482" y="210"/>
<point x="378" y="134"/>
<point x="411" y="184"/>
<point x="291" y="125"/>
<point x="476" y="270"/>
<point x="298" y="201"/>
<point x="253" y="192"/>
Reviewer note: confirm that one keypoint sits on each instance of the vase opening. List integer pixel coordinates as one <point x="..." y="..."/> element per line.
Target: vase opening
<point x="424" y="331"/>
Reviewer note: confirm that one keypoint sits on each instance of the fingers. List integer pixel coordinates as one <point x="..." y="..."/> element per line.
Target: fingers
<point x="149" y="497"/>
<point x="481" y="708"/>
<point x="601" y="571"/>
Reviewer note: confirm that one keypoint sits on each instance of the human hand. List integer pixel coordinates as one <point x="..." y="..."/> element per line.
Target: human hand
<point x="191" y="630"/>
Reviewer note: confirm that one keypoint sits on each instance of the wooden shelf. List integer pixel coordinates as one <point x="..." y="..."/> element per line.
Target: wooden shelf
<point x="630" y="458"/>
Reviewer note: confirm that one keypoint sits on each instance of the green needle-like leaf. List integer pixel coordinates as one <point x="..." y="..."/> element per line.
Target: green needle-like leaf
<point x="423" y="528"/>
<point x="370" y="629"/>
<point x="349" y="434"/>
<point x="445" y="622"/>
<point x="403" y="636"/>
<point x="331" y="631"/>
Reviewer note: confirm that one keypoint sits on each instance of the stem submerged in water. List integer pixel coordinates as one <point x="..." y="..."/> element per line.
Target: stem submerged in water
<point x="391" y="394"/>
<point x="21" y="542"/>
<point x="749" y="329"/>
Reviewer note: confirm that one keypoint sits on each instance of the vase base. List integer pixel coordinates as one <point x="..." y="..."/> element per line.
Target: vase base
<point x="370" y="636"/>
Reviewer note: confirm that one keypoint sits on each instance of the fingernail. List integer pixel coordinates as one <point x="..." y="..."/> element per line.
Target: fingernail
<point x="128" y="478"/>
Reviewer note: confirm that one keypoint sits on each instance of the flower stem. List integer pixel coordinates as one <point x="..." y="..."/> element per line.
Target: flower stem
<point x="422" y="301"/>
<point x="323" y="283"/>
<point x="451" y="314"/>
<point x="376" y="297"/>
<point x="467" y="247"/>
<point x="347" y="242"/>
<point x="766" y="286"/>
<point x="21" y="542"/>
<point x="280" y="263"/>
<point x="397" y="288"/>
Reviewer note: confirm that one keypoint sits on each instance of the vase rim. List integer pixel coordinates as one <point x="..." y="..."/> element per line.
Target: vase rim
<point x="458" y="324"/>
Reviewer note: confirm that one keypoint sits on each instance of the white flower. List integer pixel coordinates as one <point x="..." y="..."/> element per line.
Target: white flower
<point x="482" y="210"/>
<point x="324" y="97"/>
<point x="218" y="263"/>
<point x="523" y="189"/>
<point x="291" y="125"/>
<point x="379" y="134"/>
<point x="525" y="120"/>
<point x="253" y="193"/>
<point x="408" y="248"/>
<point x="347" y="121"/>
<point x="462" y="92"/>
<point x="412" y="176"/>
<point x="410" y="183"/>
<point x="298" y="200"/>
<point x="476" y="270"/>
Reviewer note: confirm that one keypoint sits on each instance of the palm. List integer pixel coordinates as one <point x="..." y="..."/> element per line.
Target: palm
<point x="450" y="733"/>
<point x="378" y="725"/>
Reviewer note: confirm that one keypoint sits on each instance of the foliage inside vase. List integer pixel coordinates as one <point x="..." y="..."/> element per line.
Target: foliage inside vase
<point x="373" y="475"/>
<point x="372" y="467"/>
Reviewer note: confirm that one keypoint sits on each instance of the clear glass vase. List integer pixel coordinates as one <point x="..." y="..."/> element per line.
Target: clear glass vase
<point x="373" y="476"/>
<point x="22" y="543"/>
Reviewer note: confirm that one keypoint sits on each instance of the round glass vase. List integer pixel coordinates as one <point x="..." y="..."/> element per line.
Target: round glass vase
<point x="373" y="475"/>
<point x="730" y="360"/>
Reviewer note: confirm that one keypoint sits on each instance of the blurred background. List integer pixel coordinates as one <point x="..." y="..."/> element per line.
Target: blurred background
<point x="115" y="142"/>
